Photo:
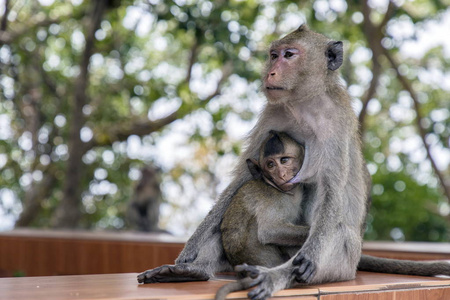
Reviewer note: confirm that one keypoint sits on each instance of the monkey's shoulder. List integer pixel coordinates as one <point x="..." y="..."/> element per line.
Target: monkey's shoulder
<point x="258" y="188"/>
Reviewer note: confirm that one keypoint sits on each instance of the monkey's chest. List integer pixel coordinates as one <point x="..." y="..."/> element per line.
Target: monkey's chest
<point x="297" y="125"/>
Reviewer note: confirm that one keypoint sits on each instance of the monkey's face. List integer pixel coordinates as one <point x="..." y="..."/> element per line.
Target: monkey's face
<point x="281" y="168"/>
<point x="281" y="72"/>
<point x="297" y="65"/>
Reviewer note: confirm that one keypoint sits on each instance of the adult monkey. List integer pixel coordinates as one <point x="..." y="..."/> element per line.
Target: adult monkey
<point x="307" y="101"/>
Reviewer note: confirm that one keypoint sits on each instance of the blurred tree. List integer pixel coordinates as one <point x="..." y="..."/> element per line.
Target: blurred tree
<point x="143" y="209"/>
<point x="94" y="90"/>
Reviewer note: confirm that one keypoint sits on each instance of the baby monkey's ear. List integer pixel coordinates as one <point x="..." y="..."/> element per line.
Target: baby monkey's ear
<point x="254" y="168"/>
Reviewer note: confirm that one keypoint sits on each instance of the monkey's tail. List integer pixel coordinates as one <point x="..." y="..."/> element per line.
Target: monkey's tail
<point x="405" y="267"/>
<point x="238" y="285"/>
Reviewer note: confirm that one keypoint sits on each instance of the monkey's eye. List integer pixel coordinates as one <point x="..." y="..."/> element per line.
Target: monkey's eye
<point x="284" y="160"/>
<point x="288" y="54"/>
<point x="270" y="165"/>
<point x="273" y="56"/>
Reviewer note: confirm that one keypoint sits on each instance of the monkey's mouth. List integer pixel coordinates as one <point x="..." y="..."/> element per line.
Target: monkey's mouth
<point x="274" y="88"/>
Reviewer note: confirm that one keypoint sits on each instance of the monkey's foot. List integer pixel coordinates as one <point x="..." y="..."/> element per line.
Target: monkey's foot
<point x="262" y="280"/>
<point x="305" y="269"/>
<point x="173" y="273"/>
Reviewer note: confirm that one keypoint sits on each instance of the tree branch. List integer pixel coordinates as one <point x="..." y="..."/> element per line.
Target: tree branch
<point x="122" y="131"/>
<point x="388" y="15"/>
<point x="4" y="21"/>
<point x="9" y="37"/>
<point x="67" y="213"/>
<point x="370" y="93"/>
<point x="34" y="197"/>
<point x="192" y="60"/>
<point x="422" y="131"/>
<point x="374" y="36"/>
<point x="227" y="70"/>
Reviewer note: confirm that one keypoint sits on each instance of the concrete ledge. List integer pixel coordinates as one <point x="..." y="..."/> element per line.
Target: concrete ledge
<point x="124" y="286"/>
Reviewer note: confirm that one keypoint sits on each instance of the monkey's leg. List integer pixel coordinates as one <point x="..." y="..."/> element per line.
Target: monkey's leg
<point x="336" y="264"/>
<point x="209" y="228"/>
<point x="174" y="273"/>
<point x="267" y="281"/>
<point x="209" y="261"/>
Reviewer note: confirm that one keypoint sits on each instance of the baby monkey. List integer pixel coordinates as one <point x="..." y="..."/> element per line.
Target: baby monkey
<point x="262" y="225"/>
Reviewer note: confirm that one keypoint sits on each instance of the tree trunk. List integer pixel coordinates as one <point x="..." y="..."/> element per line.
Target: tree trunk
<point x="68" y="213"/>
<point x="33" y="200"/>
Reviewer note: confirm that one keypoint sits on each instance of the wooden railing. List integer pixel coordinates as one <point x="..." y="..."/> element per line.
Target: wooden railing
<point x="30" y="252"/>
<point x="43" y="253"/>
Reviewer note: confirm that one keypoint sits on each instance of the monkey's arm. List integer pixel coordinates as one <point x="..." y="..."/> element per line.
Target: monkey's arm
<point x="338" y="212"/>
<point x="210" y="225"/>
<point x="276" y="213"/>
<point x="202" y="256"/>
<point x="283" y="234"/>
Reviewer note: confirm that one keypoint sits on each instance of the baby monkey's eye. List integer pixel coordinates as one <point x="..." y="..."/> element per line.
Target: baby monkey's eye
<point x="284" y="160"/>
<point x="270" y="165"/>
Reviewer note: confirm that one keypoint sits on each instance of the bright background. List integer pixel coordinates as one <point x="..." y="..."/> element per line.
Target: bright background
<point x="91" y="93"/>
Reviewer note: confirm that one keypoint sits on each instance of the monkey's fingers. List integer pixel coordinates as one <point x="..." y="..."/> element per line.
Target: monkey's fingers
<point x="305" y="272"/>
<point x="263" y="289"/>
<point x="172" y="273"/>
<point x="258" y="294"/>
<point x="298" y="259"/>
<point x="306" y="268"/>
<point x="154" y="275"/>
<point x="147" y="274"/>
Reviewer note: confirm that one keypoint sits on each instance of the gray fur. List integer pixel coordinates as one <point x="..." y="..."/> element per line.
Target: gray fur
<point x="260" y="224"/>
<point x="309" y="104"/>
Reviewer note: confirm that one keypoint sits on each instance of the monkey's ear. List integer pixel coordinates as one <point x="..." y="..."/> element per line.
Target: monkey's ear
<point x="335" y="55"/>
<point x="302" y="27"/>
<point x="254" y="168"/>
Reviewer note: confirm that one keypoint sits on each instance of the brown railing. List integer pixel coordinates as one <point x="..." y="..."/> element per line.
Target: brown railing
<point x="43" y="253"/>
<point x="27" y="252"/>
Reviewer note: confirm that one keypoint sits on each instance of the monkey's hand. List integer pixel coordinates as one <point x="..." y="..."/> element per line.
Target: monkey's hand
<point x="305" y="270"/>
<point x="173" y="273"/>
<point x="263" y="279"/>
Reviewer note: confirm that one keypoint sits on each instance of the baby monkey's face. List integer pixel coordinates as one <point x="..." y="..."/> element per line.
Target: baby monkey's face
<point x="282" y="167"/>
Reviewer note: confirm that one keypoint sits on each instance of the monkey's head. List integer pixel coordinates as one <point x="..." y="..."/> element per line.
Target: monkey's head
<point x="280" y="159"/>
<point x="300" y="63"/>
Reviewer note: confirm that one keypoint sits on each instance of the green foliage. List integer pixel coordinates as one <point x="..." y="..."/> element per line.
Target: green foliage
<point x="402" y="209"/>
<point x="201" y="60"/>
